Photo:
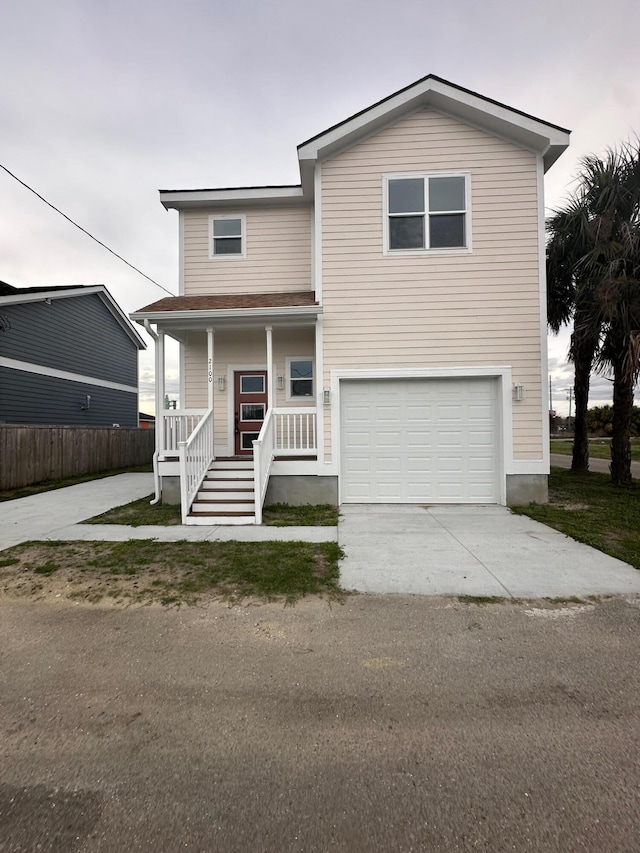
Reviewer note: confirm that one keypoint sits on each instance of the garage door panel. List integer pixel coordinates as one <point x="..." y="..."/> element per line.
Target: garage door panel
<point x="419" y="440"/>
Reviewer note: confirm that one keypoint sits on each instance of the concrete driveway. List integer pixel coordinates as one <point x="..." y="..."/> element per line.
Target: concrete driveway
<point x="470" y="550"/>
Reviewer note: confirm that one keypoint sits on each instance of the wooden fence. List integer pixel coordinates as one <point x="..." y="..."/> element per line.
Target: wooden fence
<point x="35" y="454"/>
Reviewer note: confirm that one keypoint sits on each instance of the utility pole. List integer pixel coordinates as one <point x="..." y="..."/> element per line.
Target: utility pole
<point x="569" y="398"/>
<point x="550" y="394"/>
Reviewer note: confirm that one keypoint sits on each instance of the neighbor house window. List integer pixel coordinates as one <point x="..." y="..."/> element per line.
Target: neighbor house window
<point x="227" y="236"/>
<point x="426" y="213"/>
<point x="299" y="378"/>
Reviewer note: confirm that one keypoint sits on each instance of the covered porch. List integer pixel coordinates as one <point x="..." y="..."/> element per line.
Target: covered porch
<point x="249" y="397"/>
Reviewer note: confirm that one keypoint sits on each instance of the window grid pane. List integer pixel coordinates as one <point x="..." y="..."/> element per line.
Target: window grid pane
<point x="252" y="384"/>
<point x="406" y="232"/>
<point x="446" y="231"/>
<point x="406" y="195"/>
<point x="227" y="246"/>
<point x="227" y="228"/>
<point x="447" y="194"/>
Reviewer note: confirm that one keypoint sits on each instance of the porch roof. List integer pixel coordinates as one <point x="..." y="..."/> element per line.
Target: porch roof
<point x="230" y="309"/>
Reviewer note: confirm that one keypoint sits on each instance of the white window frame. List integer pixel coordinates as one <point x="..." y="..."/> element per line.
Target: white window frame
<point x="216" y="217"/>
<point x="288" y="378"/>
<point x="453" y="250"/>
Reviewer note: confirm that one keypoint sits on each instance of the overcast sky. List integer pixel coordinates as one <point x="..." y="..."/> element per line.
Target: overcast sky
<point x="103" y="103"/>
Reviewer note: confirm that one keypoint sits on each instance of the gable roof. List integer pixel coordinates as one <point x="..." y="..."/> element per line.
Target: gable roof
<point x="10" y="295"/>
<point x="548" y="140"/>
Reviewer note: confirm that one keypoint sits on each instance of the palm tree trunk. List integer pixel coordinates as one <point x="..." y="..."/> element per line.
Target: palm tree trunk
<point x="583" y="347"/>
<point x="622" y="413"/>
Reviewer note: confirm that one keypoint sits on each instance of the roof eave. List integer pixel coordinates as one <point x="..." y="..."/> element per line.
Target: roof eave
<point x="232" y="196"/>
<point x="229" y="316"/>
<point x="498" y="119"/>
<point x="98" y="289"/>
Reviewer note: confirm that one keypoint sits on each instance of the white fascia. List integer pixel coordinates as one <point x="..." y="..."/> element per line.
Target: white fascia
<point x="495" y="118"/>
<point x="99" y="289"/>
<point x="254" y="315"/>
<point x="185" y="199"/>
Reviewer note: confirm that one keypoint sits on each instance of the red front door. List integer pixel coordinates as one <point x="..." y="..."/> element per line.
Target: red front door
<point x="250" y="394"/>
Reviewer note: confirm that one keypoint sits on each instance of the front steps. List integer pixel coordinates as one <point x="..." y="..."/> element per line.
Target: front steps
<point x="226" y="495"/>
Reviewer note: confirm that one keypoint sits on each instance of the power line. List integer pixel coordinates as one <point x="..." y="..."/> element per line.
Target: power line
<point x="84" y="231"/>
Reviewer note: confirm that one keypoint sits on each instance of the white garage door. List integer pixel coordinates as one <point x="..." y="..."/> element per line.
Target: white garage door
<point x="419" y="440"/>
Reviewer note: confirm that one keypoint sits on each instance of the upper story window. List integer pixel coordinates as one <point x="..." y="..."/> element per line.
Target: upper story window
<point x="227" y="236"/>
<point x="427" y="213"/>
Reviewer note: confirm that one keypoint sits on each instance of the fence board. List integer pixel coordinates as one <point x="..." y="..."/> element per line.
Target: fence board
<point x="35" y="454"/>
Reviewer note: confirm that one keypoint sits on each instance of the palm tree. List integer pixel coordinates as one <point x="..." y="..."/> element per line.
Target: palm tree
<point x="568" y="297"/>
<point x="594" y="276"/>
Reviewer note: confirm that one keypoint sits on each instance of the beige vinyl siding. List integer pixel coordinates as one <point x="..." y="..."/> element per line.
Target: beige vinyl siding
<point x="278" y="253"/>
<point x="435" y="310"/>
<point x="237" y="348"/>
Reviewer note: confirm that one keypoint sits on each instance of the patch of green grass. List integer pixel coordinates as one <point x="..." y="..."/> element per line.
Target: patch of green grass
<point x="140" y="513"/>
<point x="599" y="448"/>
<point x="481" y="599"/>
<point x="316" y="515"/>
<point x="50" y="485"/>
<point x="148" y="571"/>
<point x="9" y="562"/>
<point x="590" y="509"/>
<point x="47" y="568"/>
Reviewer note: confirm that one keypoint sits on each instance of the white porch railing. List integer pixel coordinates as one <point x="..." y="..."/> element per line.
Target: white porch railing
<point x="262" y="459"/>
<point x="283" y="431"/>
<point x="295" y="431"/>
<point x="195" y="454"/>
<point x="176" y="426"/>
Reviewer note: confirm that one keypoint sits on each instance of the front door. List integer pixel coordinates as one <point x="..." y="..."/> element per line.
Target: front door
<point x="250" y="390"/>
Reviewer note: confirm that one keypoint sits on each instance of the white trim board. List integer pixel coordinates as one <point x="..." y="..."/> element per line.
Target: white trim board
<point x="28" y="367"/>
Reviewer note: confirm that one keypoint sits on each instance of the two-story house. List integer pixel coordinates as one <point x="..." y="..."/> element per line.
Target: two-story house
<point x="376" y="333"/>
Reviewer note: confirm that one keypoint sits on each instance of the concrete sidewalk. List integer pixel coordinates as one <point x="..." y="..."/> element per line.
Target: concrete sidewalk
<point x="470" y="550"/>
<point x="57" y="515"/>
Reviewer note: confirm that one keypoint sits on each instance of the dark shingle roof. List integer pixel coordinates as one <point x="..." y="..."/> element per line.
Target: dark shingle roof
<point x="230" y="301"/>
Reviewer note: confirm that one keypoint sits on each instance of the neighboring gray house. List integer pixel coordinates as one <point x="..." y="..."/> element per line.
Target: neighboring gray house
<point x="68" y="356"/>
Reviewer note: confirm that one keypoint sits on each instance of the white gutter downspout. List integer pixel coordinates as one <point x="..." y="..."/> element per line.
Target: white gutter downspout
<point x="159" y="422"/>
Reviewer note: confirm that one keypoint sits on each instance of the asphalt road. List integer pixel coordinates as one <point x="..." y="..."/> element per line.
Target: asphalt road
<point x="389" y="723"/>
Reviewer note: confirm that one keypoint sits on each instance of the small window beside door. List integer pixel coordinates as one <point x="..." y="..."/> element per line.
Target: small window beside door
<point x="299" y="378"/>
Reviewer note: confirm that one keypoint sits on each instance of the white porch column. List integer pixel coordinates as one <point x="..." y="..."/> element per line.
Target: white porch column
<point x="269" y="331"/>
<point x="160" y="392"/>
<point x="319" y="383"/>
<point x="210" y="368"/>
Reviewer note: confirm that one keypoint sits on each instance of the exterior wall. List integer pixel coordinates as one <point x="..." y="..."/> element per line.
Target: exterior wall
<point x="278" y="253"/>
<point x="435" y="310"/>
<point x="233" y="349"/>
<point x="28" y="398"/>
<point x="76" y="335"/>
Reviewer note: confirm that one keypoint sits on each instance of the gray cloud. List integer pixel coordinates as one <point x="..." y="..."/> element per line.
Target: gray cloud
<point x="103" y="103"/>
